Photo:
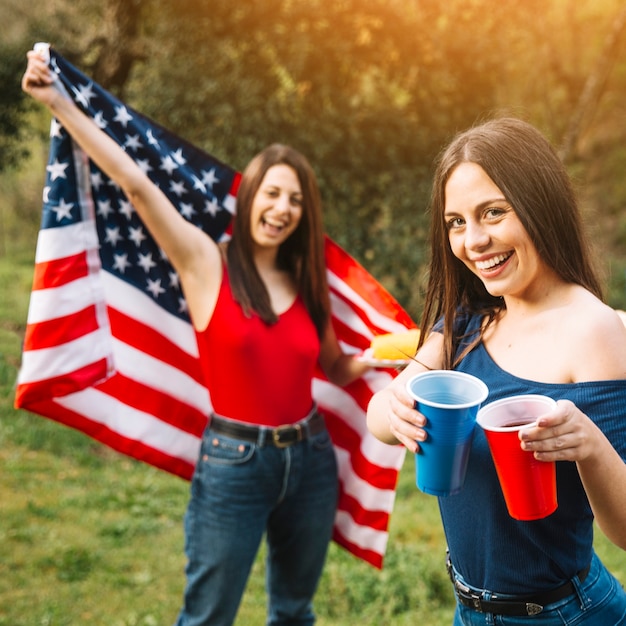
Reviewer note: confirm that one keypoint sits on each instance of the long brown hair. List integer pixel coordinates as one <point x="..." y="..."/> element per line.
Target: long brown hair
<point x="302" y="254"/>
<point x="525" y="167"/>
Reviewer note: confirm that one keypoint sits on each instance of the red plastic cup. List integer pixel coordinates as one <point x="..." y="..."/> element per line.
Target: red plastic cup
<point x="528" y="485"/>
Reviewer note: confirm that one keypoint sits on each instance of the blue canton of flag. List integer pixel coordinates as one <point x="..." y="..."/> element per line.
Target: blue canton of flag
<point x="202" y="188"/>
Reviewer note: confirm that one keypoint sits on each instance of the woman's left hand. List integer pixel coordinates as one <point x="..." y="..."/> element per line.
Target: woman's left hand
<point x="566" y="434"/>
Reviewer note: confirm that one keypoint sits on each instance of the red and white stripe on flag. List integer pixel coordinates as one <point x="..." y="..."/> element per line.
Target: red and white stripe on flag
<point x="101" y="356"/>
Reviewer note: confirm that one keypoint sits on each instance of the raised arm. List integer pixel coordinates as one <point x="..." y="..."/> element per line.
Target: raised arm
<point x="192" y="253"/>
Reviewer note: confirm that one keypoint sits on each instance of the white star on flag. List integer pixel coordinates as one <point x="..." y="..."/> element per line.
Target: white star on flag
<point x="122" y="116"/>
<point x="57" y="170"/>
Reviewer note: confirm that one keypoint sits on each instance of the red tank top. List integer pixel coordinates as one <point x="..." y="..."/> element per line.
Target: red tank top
<point x="255" y="372"/>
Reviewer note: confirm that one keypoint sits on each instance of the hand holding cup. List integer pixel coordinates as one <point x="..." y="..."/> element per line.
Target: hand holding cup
<point x="528" y="485"/>
<point x="449" y="401"/>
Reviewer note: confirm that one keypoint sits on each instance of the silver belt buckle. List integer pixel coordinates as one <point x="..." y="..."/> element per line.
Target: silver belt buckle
<point x="533" y="609"/>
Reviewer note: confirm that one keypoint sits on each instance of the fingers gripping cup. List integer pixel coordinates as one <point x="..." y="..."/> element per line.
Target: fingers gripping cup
<point x="528" y="485"/>
<point x="449" y="401"/>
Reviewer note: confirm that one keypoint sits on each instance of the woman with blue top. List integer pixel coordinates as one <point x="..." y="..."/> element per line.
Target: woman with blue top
<point x="513" y="299"/>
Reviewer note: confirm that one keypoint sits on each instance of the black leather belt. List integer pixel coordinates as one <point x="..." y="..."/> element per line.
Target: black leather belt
<point x="516" y="606"/>
<point x="281" y="436"/>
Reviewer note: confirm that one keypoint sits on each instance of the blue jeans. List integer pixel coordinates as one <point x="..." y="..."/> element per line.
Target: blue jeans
<point x="241" y="490"/>
<point x="599" y="601"/>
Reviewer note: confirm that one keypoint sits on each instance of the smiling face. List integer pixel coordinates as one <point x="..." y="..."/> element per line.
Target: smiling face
<point x="486" y="234"/>
<point x="276" y="207"/>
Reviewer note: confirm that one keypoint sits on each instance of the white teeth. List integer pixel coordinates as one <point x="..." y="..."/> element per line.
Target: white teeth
<point x="273" y="224"/>
<point x="485" y="265"/>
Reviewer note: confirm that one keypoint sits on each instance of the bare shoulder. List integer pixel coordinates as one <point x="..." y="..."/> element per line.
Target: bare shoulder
<point x="598" y="343"/>
<point x="592" y="317"/>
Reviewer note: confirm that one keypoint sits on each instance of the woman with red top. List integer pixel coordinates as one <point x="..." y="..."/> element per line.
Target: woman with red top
<point x="261" y="311"/>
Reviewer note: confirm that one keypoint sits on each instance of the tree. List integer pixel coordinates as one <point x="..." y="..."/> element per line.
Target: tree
<point x="369" y="90"/>
<point x="594" y="86"/>
<point x="12" y="107"/>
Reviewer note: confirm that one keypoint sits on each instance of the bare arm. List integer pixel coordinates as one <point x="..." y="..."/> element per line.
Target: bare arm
<point x="340" y="368"/>
<point x="570" y="435"/>
<point x="192" y="253"/>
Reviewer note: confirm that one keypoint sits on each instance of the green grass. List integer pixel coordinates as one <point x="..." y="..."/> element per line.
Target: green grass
<point x="80" y="543"/>
<point x="88" y="536"/>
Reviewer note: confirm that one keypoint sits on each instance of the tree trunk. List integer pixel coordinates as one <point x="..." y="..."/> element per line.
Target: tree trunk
<point x="593" y="89"/>
<point x="119" y="43"/>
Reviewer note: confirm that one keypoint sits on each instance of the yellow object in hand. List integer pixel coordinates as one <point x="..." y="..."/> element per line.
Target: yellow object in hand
<point x="395" y="346"/>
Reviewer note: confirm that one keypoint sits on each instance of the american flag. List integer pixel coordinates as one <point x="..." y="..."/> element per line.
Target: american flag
<point x="109" y="348"/>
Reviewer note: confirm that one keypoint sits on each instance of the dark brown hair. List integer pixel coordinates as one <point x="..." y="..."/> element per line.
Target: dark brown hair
<point x="525" y="167"/>
<point x="302" y="254"/>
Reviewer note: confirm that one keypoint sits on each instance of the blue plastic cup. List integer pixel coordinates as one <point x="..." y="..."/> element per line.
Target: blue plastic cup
<point x="450" y="401"/>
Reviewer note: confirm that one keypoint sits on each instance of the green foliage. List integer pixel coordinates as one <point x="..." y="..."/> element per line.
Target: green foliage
<point x="369" y="91"/>
<point x="12" y="105"/>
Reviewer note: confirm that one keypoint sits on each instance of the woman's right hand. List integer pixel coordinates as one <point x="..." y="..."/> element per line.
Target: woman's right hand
<point x="391" y="414"/>
<point x="392" y="418"/>
<point x="406" y="424"/>
<point x="37" y="80"/>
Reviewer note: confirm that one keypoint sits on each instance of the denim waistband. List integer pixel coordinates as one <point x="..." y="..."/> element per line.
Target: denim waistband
<point x="485" y="601"/>
<point x="279" y="436"/>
